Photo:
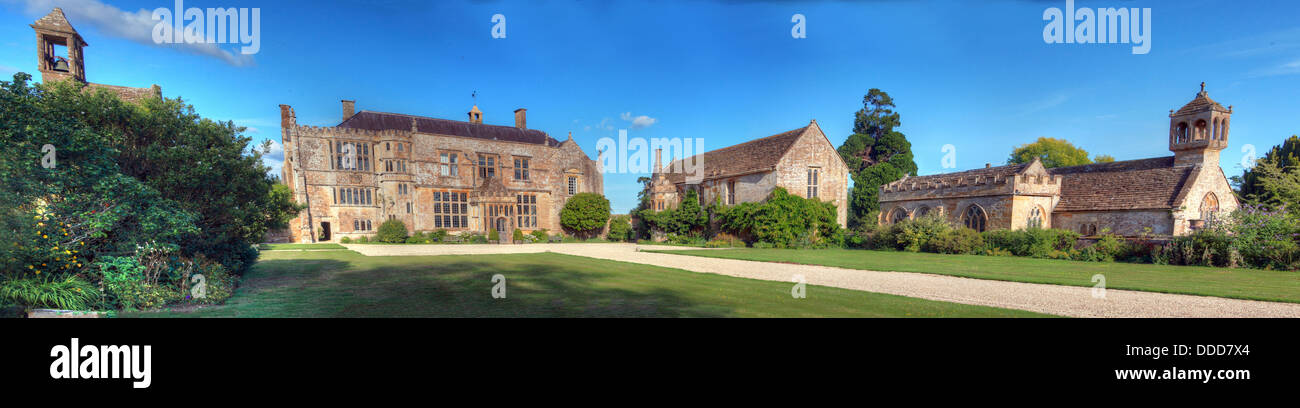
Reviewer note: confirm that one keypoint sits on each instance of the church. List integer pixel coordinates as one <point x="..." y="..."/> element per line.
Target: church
<point x="1161" y="196"/>
<point x="430" y="173"/>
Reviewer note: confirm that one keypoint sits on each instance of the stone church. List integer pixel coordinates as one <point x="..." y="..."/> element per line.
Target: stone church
<point x="60" y="56"/>
<point x="1160" y="196"/>
<point x="432" y="174"/>
<point x="803" y="161"/>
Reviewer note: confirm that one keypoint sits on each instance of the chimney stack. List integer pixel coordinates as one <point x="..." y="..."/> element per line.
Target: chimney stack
<point x="349" y="108"/>
<point x="659" y="167"/>
<point x="521" y="120"/>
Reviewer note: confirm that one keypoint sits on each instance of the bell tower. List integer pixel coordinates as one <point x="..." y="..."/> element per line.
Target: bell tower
<point x="1198" y="131"/>
<point x="59" y="48"/>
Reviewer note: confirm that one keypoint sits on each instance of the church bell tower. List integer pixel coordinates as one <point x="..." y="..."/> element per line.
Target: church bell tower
<point x="59" y="48"/>
<point x="1198" y="131"/>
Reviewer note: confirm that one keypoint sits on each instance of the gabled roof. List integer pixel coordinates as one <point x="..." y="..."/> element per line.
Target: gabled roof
<point x="1123" y="185"/>
<point x="371" y="120"/>
<point x="754" y="156"/>
<point x="57" y="22"/>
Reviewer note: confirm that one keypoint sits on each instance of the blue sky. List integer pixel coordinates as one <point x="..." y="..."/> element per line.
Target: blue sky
<point x="976" y="75"/>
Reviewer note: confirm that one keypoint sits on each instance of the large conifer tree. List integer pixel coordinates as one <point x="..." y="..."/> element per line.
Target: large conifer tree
<point x="876" y="154"/>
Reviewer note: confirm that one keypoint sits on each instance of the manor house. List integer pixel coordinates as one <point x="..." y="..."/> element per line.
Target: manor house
<point x="432" y="174"/>
<point x="1170" y="195"/>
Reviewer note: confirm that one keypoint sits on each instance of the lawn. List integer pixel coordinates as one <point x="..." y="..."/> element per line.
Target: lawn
<point x="347" y="284"/>
<point x="284" y="247"/>
<point x="1240" y="283"/>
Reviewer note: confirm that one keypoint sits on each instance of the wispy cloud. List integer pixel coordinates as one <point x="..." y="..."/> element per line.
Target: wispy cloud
<point x="134" y="26"/>
<point x="1042" y="104"/>
<point x="7" y="71"/>
<point x="273" y="158"/>
<point x="638" y="122"/>
<point x="1286" y="68"/>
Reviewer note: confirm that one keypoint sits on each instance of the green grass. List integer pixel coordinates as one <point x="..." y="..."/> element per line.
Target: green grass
<point x="1240" y="283"/>
<point x="283" y="247"/>
<point x="347" y="284"/>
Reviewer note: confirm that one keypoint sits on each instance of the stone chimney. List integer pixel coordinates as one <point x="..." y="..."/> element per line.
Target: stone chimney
<point x="349" y="108"/>
<point x="659" y="166"/>
<point x="521" y="120"/>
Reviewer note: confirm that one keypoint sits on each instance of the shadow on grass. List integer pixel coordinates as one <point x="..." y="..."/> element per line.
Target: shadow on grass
<point x="445" y="286"/>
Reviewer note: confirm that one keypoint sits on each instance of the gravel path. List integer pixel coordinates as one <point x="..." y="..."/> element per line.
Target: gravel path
<point x="1053" y="299"/>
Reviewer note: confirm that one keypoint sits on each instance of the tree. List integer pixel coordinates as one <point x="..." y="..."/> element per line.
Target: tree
<point x="875" y="154"/>
<point x="1282" y="157"/>
<point x="585" y="213"/>
<point x="1053" y="153"/>
<point x="1103" y="158"/>
<point x="620" y="228"/>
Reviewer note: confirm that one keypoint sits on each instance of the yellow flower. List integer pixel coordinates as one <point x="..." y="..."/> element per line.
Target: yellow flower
<point x="38" y="272"/>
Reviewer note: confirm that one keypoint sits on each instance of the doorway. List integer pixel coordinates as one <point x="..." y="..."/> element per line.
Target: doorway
<point x="324" y="231"/>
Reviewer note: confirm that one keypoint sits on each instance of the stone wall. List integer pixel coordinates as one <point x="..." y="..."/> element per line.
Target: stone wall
<point x="308" y="151"/>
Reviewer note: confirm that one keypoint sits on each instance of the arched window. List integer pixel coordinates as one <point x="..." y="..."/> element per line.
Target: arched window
<point x="1214" y="129"/>
<point x="975" y="218"/>
<point x="1209" y="208"/>
<point x="920" y="212"/>
<point x="1036" y="217"/>
<point x="1092" y="229"/>
<point x="897" y="215"/>
<point x="1180" y="133"/>
<point x="1200" y="130"/>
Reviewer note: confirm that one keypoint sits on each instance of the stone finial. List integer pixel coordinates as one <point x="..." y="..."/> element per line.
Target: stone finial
<point x="413" y="126"/>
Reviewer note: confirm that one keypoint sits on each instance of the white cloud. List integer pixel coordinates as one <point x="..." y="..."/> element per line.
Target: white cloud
<point x="7" y="71"/>
<point x="135" y="26"/>
<point x="274" y="158"/>
<point x="638" y="122"/>
<point x="1288" y="68"/>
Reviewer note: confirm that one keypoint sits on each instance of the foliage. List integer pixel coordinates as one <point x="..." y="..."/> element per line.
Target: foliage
<point x="518" y="235"/>
<point x="785" y="220"/>
<point x="1265" y="237"/>
<point x="620" y="228"/>
<point x="1053" y="152"/>
<point x="956" y="241"/>
<point x="540" y="235"/>
<point x="688" y="218"/>
<point x="391" y="231"/>
<point x="913" y="234"/>
<point x="875" y="154"/>
<point x="126" y="173"/>
<point x="345" y="240"/>
<point x="1031" y="242"/>
<point x="1275" y="185"/>
<point x="725" y="241"/>
<point x="585" y="213"/>
<point x="493" y="235"/>
<point x="1281" y="157"/>
<point x="69" y="292"/>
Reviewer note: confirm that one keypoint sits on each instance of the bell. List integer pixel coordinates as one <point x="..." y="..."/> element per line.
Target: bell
<point x="61" y="65"/>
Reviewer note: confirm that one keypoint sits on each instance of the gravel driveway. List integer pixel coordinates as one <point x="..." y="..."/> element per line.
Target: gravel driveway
<point x="1053" y="299"/>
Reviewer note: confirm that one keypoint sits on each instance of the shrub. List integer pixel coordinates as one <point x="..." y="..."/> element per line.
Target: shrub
<point x="345" y="240"/>
<point x="1033" y="242"/>
<point x="218" y="283"/>
<point x="620" y="228"/>
<point x="392" y="231"/>
<point x="70" y="292"/>
<point x="764" y="245"/>
<point x="914" y="234"/>
<point x="416" y="239"/>
<point x="784" y="220"/>
<point x="1206" y="247"/>
<point x="518" y="235"/>
<point x="475" y="238"/>
<point x="585" y="213"/>
<point x="438" y="236"/>
<point x="363" y="239"/>
<point x="956" y="241"/>
<point x="540" y="235"/>
<point x="493" y="235"/>
<point x="1265" y="238"/>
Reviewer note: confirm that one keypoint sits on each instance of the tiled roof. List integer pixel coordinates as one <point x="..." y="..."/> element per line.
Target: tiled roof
<point x="1124" y="185"/>
<point x="56" y="21"/>
<point x="750" y="157"/>
<point x="1201" y="103"/>
<point x="371" y="120"/>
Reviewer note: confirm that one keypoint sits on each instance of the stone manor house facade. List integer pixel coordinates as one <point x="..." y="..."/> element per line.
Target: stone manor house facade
<point x="1160" y="196"/>
<point x="803" y="161"/>
<point x="432" y="174"/>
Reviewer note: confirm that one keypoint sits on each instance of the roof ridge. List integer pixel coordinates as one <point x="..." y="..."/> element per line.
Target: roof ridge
<point x="742" y="144"/>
